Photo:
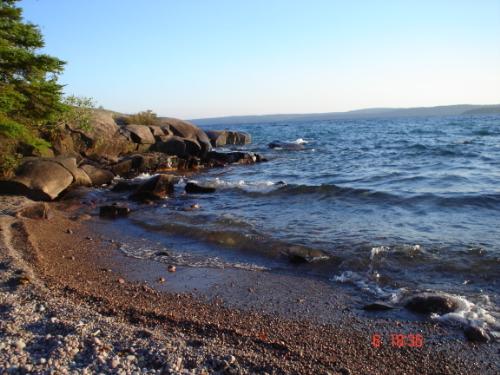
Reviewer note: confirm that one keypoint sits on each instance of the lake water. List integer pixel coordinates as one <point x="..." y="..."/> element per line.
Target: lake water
<point x="401" y="205"/>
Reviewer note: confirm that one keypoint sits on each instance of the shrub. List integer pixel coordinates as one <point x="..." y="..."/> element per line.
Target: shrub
<point x="142" y="118"/>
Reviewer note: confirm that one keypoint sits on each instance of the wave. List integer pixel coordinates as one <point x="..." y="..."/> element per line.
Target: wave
<point x="487" y="200"/>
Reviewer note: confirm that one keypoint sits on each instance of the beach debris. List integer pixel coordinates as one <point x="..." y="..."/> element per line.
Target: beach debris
<point x="476" y="334"/>
<point x="171" y="268"/>
<point x="194" y="188"/>
<point x="69" y="231"/>
<point x="428" y="303"/>
<point x="378" y="306"/>
<point x="161" y="280"/>
<point x="121" y="281"/>
<point x="113" y="211"/>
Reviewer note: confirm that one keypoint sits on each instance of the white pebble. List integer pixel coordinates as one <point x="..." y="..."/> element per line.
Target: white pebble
<point x="20" y="344"/>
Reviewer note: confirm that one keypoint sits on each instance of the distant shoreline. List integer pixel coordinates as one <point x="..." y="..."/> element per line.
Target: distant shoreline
<point x="449" y="110"/>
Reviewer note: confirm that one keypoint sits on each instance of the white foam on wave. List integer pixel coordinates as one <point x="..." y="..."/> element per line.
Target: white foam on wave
<point x="300" y="141"/>
<point x="185" y="259"/>
<point x="252" y="186"/>
<point x="483" y="314"/>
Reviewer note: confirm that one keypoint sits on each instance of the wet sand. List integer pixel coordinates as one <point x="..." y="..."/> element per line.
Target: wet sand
<point x="259" y="322"/>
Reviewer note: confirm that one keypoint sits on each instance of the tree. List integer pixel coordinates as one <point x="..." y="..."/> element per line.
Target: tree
<point x="30" y="96"/>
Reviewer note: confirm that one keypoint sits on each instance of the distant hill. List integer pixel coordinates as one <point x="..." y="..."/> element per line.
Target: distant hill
<point x="448" y="110"/>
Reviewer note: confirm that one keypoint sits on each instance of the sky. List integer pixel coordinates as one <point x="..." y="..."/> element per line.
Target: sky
<point x="199" y="58"/>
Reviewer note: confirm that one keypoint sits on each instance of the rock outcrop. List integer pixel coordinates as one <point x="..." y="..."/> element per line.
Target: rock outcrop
<point x="95" y="154"/>
<point x="220" y="138"/>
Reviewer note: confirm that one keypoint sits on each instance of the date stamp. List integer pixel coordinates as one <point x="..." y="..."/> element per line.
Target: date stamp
<point x="398" y="340"/>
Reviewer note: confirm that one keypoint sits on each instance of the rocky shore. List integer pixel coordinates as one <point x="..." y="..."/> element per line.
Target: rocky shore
<point x="70" y="302"/>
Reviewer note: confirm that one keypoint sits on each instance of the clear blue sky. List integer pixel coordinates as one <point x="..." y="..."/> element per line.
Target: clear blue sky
<point x="203" y="58"/>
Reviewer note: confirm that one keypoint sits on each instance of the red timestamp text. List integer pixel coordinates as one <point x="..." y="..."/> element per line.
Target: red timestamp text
<point x="398" y="340"/>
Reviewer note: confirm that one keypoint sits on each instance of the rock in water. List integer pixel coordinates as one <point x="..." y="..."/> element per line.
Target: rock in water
<point x="233" y="157"/>
<point x="378" y="306"/>
<point x="113" y="211"/>
<point x="290" y="146"/>
<point x="428" y="303"/>
<point x="302" y="254"/>
<point x="194" y="188"/>
<point x="98" y="176"/>
<point x="224" y="137"/>
<point x="157" y="187"/>
<point x="476" y="334"/>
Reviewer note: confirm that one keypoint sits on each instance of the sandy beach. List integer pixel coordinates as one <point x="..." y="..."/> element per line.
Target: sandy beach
<point x="71" y="302"/>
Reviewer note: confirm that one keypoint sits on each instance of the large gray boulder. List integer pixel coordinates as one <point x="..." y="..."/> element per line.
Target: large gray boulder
<point x="188" y="131"/>
<point x="220" y="138"/>
<point x="141" y="134"/>
<point x="39" y="179"/>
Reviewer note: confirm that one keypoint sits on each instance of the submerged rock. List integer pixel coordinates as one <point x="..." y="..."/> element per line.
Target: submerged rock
<point x="378" y="306"/>
<point x="428" y="303"/>
<point x="194" y="188"/>
<point x="301" y="254"/>
<point x="286" y="146"/>
<point x="233" y="157"/>
<point x="113" y="211"/>
<point x="157" y="187"/>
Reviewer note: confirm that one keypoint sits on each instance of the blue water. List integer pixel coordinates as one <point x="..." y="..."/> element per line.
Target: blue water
<point x="399" y="204"/>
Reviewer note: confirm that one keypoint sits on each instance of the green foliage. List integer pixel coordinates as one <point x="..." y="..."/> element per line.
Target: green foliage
<point x="30" y="96"/>
<point x="78" y="111"/>
<point x="142" y="118"/>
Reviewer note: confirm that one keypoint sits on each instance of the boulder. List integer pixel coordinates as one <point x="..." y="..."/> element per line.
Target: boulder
<point x="36" y="211"/>
<point x="98" y="176"/>
<point x="141" y="134"/>
<point x="140" y="163"/>
<point x="225" y="137"/>
<point x="79" y="175"/>
<point x="232" y="157"/>
<point x="157" y="131"/>
<point x="428" y="303"/>
<point x="155" y="188"/>
<point x="476" y="334"/>
<point x="125" y="185"/>
<point x="290" y="146"/>
<point x="188" y="131"/>
<point x="38" y="179"/>
<point x="102" y="138"/>
<point x="194" y="188"/>
<point x="113" y="211"/>
<point x="217" y="138"/>
<point x="172" y="145"/>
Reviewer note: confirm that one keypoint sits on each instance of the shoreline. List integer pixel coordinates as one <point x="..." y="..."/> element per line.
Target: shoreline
<point x="69" y="271"/>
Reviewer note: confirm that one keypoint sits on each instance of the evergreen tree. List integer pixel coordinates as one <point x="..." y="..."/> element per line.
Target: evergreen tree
<point x="30" y="96"/>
